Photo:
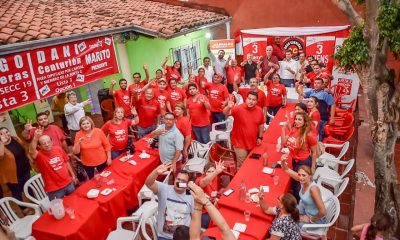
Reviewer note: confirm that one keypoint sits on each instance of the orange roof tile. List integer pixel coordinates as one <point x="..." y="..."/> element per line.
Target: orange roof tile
<point x="36" y="19"/>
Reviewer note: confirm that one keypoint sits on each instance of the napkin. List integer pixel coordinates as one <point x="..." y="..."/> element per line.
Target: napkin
<point x="240" y="227"/>
<point x="253" y="190"/>
<point x="267" y="170"/>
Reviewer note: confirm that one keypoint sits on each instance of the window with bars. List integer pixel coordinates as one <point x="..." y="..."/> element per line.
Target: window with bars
<point x="188" y="55"/>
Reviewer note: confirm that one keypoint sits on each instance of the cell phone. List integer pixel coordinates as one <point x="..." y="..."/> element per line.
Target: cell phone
<point x="276" y="165"/>
<point x="255" y="156"/>
<point x="181" y="185"/>
<point x="228" y="192"/>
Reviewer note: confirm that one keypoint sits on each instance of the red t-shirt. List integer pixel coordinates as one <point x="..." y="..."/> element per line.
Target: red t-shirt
<point x="292" y="143"/>
<point x="217" y="93"/>
<point x="201" y="81"/>
<point x="136" y="87"/>
<point x="117" y="133"/>
<point x="312" y="76"/>
<point x="262" y="99"/>
<point x="161" y="97"/>
<point x="211" y="187"/>
<point x="147" y="111"/>
<point x="186" y="88"/>
<point x="173" y="73"/>
<point x="199" y="114"/>
<point x="122" y="98"/>
<point x="231" y="72"/>
<point x="174" y="96"/>
<point x="184" y="126"/>
<point x="53" y="167"/>
<point x="315" y="117"/>
<point x="94" y="148"/>
<point x="246" y="125"/>
<point x="54" y="132"/>
<point x="275" y="93"/>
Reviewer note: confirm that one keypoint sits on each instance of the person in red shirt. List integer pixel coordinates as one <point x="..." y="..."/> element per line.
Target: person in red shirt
<point x="313" y="112"/>
<point x="278" y="51"/>
<point x="174" y="71"/>
<point x="233" y="72"/>
<point x="138" y="84"/>
<point x="201" y="80"/>
<point x="55" y="132"/>
<point x="117" y="130"/>
<point x="209" y="183"/>
<point x="198" y="107"/>
<point x="149" y="112"/>
<point x="183" y="124"/>
<point x="192" y="79"/>
<point x="302" y="144"/>
<point x="175" y="95"/>
<point x="316" y="73"/>
<point x="268" y="64"/>
<point x="217" y="94"/>
<point x="276" y="95"/>
<point x="122" y="97"/>
<point x="248" y="126"/>
<point x="53" y="163"/>
<point x="161" y="92"/>
<point x="262" y="99"/>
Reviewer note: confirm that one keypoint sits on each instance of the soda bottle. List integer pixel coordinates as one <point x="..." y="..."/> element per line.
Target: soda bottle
<point x="97" y="178"/>
<point x="242" y="193"/>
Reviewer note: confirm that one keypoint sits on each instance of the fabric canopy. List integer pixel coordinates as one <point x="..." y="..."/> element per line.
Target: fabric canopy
<point x="295" y="31"/>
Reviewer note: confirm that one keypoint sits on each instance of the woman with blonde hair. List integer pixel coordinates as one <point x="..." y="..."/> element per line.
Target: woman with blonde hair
<point x="93" y="146"/>
<point x="117" y="130"/>
<point x="302" y="144"/>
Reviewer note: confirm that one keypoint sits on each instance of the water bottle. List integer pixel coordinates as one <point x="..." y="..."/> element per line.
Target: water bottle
<point x="97" y="178"/>
<point x="242" y="193"/>
<point x="278" y="145"/>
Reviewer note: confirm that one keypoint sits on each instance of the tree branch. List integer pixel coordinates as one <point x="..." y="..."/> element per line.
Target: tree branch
<point x="347" y="8"/>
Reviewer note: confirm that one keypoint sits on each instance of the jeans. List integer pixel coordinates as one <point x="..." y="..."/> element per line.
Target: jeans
<point x="65" y="191"/>
<point x="90" y="169"/>
<point x="288" y="82"/>
<point x="302" y="211"/>
<point x="116" y="153"/>
<point x="18" y="188"/>
<point x="322" y="125"/>
<point x="205" y="220"/>
<point x="273" y="111"/>
<point x="218" y="117"/>
<point x="295" y="185"/>
<point x="202" y="133"/>
<point x="144" y="131"/>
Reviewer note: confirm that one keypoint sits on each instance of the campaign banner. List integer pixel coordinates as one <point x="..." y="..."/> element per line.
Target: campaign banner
<point x="322" y="48"/>
<point x="295" y="44"/>
<point x="40" y="73"/>
<point x="254" y="45"/>
<point x="228" y="45"/>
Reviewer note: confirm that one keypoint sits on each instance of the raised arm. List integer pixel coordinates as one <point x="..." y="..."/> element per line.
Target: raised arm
<point x="33" y="146"/>
<point x="228" y="108"/>
<point x="146" y="72"/>
<point x="164" y="62"/>
<point x="219" y="167"/>
<point x="111" y="89"/>
<point x="286" y="168"/>
<point x="151" y="179"/>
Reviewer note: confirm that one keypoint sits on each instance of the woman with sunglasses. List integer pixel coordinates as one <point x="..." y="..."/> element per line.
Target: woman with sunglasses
<point x="284" y="225"/>
<point x="311" y="207"/>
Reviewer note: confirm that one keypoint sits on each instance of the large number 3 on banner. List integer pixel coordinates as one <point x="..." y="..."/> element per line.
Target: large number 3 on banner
<point x="255" y="48"/>
<point x="320" y="48"/>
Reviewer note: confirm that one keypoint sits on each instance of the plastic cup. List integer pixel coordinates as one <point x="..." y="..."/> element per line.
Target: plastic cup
<point x="276" y="180"/>
<point x="70" y="212"/>
<point x="247" y="215"/>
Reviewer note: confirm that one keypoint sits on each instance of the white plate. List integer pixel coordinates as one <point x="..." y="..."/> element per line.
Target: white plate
<point x="240" y="227"/>
<point x="132" y="162"/>
<point x="267" y="170"/>
<point x="105" y="173"/>
<point x="106" y="191"/>
<point x="93" y="193"/>
<point x="253" y="190"/>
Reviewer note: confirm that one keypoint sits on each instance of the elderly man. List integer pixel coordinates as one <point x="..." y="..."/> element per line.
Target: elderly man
<point x="248" y="126"/>
<point x="233" y="71"/>
<point x="170" y="140"/>
<point x="149" y="111"/>
<point x="175" y="206"/>
<point x="250" y="68"/>
<point x="74" y="111"/>
<point x="268" y="64"/>
<point x="53" y="164"/>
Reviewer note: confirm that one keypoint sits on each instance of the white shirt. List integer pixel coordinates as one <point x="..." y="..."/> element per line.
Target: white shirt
<point x="74" y="113"/>
<point x="285" y="74"/>
<point x="208" y="72"/>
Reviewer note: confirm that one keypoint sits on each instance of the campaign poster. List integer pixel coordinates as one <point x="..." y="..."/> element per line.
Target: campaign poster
<point x="322" y="48"/>
<point x="295" y="44"/>
<point x="254" y="45"/>
<point x="228" y="45"/>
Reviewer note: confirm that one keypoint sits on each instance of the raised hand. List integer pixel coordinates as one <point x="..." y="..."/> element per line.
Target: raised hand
<point x="145" y="66"/>
<point x="197" y="193"/>
<point x="284" y="159"/>
<point x="38" y="132"/>
<point x="28" y="125"/>
<point x="87" y="101"/>
<point x="113" y="82"/>
<point x="219" y="167"/>
<point x="163" y="168"/>
<point x="133" y="110"/>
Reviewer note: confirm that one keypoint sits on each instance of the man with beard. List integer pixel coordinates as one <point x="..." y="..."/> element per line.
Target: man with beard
<point x="220" y="63"/>
<point x="248" y="126"/>
<point x="278" y="51"/>
<point x="53" y="131"/>
<point x="121" y="96"/>
<point x="138" y="84"/>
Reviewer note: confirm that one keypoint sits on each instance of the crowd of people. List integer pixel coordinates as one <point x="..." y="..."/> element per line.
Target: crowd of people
<point x="175" y="112"/>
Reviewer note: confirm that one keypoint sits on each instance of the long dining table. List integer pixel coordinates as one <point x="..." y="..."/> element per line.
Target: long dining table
<point x="95" y="218"/>
<point x="251" y="173"/>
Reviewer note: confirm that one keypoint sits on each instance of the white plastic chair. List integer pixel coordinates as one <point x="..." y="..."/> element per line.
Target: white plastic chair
<point x="197" y="163"/>
<point x="36" y="185"/>
<point x="222" y="135"/>
<point x="333" y="176"/>
<point x="146" y="194"/>
<point x="201" y="148"/>
<point x="321" y="159"/>
<point x="144" y="215"/>
<point x="22" y="227"/>
<point x="340" y="187"/>
<point x="332" y="206"/>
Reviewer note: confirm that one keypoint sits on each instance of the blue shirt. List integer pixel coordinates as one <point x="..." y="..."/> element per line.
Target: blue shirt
<point x="321" y="95"/>
<point x="169" y="143"/>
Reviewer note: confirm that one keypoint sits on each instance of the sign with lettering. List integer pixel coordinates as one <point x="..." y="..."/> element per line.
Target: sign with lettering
<point x="37" y="74"/>
<point x="255" y="46"/>
<point x="322" y="48"/>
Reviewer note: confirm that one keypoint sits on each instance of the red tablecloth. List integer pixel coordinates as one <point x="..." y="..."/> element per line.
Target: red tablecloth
<point x="251" y="172"/>
<point x="95" y="218"/>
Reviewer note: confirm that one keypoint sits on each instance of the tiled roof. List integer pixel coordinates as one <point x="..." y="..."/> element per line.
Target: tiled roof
<point x="26" y="20"/>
